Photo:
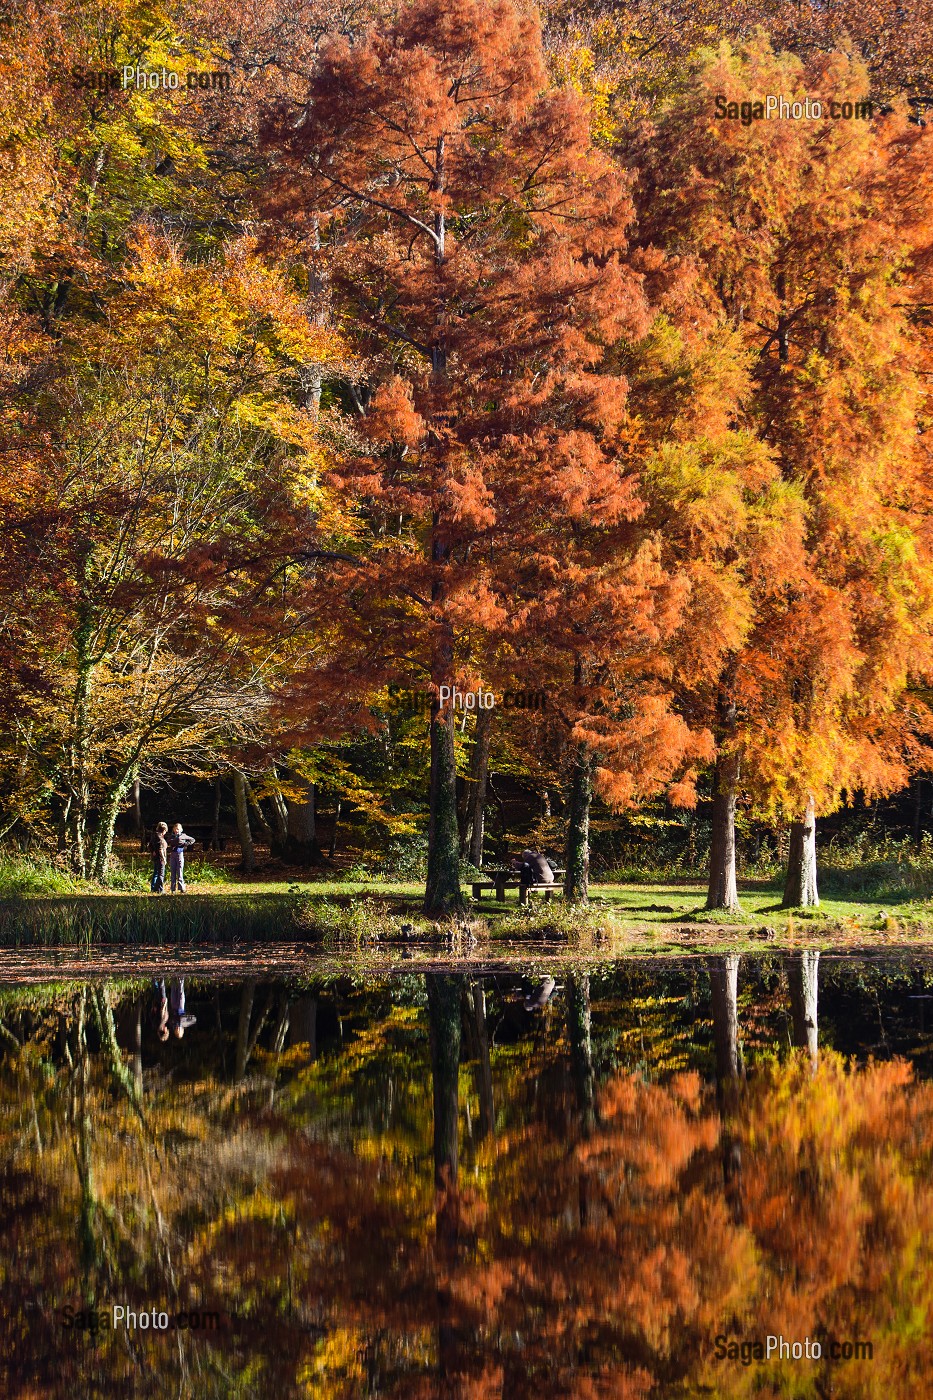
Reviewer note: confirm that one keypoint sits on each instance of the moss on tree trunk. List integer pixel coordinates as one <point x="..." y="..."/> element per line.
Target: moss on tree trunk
<point x="442" y="891"/>
<point x="577" y="858"/>
<point x="722" y="891"/>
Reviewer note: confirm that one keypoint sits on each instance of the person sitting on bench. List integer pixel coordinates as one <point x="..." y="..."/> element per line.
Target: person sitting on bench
<point x="533" y="869"/>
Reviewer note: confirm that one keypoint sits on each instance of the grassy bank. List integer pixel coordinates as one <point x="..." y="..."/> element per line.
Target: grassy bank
<point x="658" y="917"/>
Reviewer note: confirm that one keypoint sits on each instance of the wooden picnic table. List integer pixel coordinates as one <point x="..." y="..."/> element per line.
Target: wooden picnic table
<point x="502" y="880"/>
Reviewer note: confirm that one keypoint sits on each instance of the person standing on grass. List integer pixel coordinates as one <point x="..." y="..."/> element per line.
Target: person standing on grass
<point x="159" y="848"/>
<point x="178" y="843"/>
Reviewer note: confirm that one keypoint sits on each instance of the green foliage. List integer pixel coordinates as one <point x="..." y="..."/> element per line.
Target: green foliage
<point x="877" y="864"/>
<point x="406" y="858"/>
<point x="359" y="921"/>
<point x="82" y="920"/>
<point x="34" y="874"/>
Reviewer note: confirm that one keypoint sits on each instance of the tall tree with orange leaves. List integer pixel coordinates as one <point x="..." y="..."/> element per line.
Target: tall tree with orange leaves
<point x="474" y="240"/>
<point x="811" y="243"/>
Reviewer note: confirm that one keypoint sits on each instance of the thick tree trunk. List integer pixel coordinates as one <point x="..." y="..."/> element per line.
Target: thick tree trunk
<point x="472" y="841"/>
<point x="724" y="980"/>
<point x="300" y="845"/>
<point x="248" y="861"/>
<point x="103" y="840"/>
<point x="581" y="1047"/>
<point x="442" y="893"/>
<point x="722" y="892"/>
<point x="800" y="890"/>
<point x="803" y="981"/>
<point x="577" y="857"/>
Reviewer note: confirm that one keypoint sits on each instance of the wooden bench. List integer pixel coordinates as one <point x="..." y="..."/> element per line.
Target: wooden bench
<point x="502" y="880"/>
<point x="549" y="889"/>
<point x="500" y="887"/>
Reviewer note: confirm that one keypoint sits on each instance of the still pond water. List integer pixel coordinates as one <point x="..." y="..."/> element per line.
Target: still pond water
<point x="710" y="1176"/>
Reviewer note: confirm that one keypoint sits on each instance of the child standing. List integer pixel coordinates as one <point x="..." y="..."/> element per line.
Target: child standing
<point x="159" y="848"/>
<point x="178" y="843"/>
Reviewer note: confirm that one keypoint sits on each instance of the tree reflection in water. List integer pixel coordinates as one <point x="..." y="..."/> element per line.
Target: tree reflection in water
<point x="418" y="1187"/>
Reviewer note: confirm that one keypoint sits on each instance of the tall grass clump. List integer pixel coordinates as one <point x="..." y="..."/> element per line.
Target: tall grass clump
<point x="880" y="866"/>
<point x="359" y="921"/>
<point x="579" y="926"/>
<point x="87" y="920"/>
<point x="34" y="874"/>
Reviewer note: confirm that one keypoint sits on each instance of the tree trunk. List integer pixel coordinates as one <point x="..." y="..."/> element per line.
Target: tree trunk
<point x="247" y="993"/>
<point x="800" y="890"/>
<point x="248" y="862"/>
<point x="137" y="1058"/>
<point x="581" y="1047"/>
<point x="279" y="821"/>
<point x="139" y="830"/>
<point x="442" y="891"/>
<point x="103" y="840"/>
<point x="724" y="980"/>
<point x="444" y="993"/>
<point x="302" y="1029"/>
<point x="471" y="843"/>
<point x="803" y="981"/>
<point x="332" y="849"/>
<point x="478" y="1040"/>
<point x="301" y="843"/>
<point x="215" y="823"/>
<point x="265" y="830"/>
<point x="78" y="780"/>
<point x="577" y="857"/>
<point x="723" y="891"/>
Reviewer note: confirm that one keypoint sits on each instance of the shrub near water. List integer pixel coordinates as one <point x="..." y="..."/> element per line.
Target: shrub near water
<point x="364" y="919"/>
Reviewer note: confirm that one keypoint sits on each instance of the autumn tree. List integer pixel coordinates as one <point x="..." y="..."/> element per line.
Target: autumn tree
<point x="810" y="243"/>
<point x="631" y="58"/>
<point x="156" y="480"/>
<point x="473" y="238"/>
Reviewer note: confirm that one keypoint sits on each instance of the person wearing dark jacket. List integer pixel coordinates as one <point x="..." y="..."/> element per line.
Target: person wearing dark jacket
<point x="159" y="848"/>
<point x="533" y="868"/>
<point x="178" y="843"/>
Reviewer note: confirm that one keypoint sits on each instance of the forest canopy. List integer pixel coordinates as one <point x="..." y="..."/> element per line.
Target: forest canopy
<point x="352" y="349"/>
